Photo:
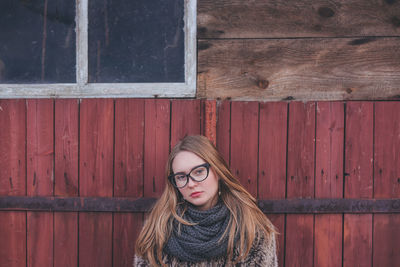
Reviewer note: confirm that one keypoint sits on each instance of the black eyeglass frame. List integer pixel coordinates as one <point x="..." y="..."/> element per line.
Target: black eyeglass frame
<point x="172" y="180"/>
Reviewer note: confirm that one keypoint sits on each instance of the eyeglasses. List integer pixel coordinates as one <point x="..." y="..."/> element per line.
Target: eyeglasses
<point x="197" y="174"/>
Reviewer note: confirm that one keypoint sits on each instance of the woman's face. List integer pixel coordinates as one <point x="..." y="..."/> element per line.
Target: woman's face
<point x="204" y="194"/>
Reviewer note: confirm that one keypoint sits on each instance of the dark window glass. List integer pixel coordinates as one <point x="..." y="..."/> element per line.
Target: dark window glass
<point x="136" y="41"/>
<point x="37" y="41"/>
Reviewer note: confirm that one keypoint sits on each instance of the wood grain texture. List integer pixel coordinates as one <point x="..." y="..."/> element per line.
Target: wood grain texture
<point x="299" y="240"/>
<point x="96" y="147"/>
<point x="328" y="240"/>
<point x="357" y="240"/>
<point x="359" y="150"/>
<point x="65" y="239"/>
<point x="387" y="150"/>
<point x="210" y="120"/>
<point x="329" y="181"/>
<point x="66" y="147"/>
<point x="301" y="145"/>
<point x="244" y="144"/>
<point x="129" y="139"/>
<point x="95" y="239"/>
<point x="272" y="150"/>
<point x="13" y="239"/>
<point x="12" y="147"/>
<point x="386" y="240"/>
<point x="299" y="69"/>
<point x="329" y="150"/>
<point x="280" y="19"/>
<point x="156" y="145"/>
<point x="185" y="119"/>
<point x="224" y="129"/>
<point x="126" y="229"/>
<point x="40" y="239"/>
<point x="66" y="130"/>
<point x="40" y="147"/>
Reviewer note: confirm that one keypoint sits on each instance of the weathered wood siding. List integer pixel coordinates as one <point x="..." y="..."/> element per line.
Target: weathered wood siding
<point x="118" y="148"/>
<point x="298" y="50"/>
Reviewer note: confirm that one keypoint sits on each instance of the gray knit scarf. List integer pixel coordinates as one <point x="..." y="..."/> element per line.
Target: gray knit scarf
<point x="195" y="243"/>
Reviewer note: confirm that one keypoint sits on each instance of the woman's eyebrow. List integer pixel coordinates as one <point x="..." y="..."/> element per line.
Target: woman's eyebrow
<point x="182" y="172"/>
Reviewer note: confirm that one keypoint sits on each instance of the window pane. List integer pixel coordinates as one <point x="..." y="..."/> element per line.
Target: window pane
<point x="136" y="41"/>
<point x="37" y="41"/>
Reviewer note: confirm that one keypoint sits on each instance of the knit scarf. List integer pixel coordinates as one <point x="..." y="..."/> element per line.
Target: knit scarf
<point x="195" y="243"/>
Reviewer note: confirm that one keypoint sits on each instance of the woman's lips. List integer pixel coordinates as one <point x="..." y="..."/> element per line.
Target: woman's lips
<point x="195" y="194"/>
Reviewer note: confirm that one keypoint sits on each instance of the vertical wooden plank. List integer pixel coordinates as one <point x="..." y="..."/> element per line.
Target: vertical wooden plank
<point x="40" y="147"/>
<point x="12" y="147"/>
<point x="328" y="240"/>
<point x="358" y="150"/>
<point x="387" y="150"/>
<point x="40" y="179"/>
<point x="357" y="240"/>
<point x="13" y="239"/>
<point x="329" y="150"/>
<point x="40" y="239"/>
<point x="300" y="182"/>
<point x="272" y="150"/>
<point x="156" y="145"/>
<point x="329" y="181"/>
<point x="96" y="179"/>
<point x="65" y="239"/>
<point x="244" y="144"/>
<point x="96" y="147"/>
<point x="126" y="229"/>
<point x="224" y="129"/>
<point x="185" y="119"/>
<point x="357" y="236"/>
<point x="210" y="120"/>
<point x="95" y="239"/>
<point x="272" y="162"/>
<point x="66" y="180"/>
<point x="66" y="147"/>
<point x="299" y="240"/>
<point x="386" y="241"/>
<point x="129" y="133"/>
<point x="301" y="145"/>
<point x="129" y="138"/>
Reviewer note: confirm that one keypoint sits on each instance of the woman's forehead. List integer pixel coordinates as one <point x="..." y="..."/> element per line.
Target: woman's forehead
<point x="184" y="161"/>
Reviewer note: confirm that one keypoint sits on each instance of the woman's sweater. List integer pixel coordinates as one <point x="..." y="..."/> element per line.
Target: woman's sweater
<point x="262" y="253"/>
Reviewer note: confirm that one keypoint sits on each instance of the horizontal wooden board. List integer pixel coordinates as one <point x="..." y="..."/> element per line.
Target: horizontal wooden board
<point x="298" y="205"/>
<point x="299" y="69"/>
<point x="271" y="19"/>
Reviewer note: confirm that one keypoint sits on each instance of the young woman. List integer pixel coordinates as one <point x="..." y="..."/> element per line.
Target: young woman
<point x="204" y="216"/>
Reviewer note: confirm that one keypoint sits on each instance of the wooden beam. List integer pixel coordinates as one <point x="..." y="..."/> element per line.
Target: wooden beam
<point x="281" y="19"/>
<point x="299" y="69"/>
<point x="104" y="204"/>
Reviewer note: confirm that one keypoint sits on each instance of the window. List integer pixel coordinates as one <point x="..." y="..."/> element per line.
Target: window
<point x="97" y="48"/>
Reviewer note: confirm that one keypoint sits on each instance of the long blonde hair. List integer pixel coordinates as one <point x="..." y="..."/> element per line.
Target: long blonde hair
<point x="246" y="219"/>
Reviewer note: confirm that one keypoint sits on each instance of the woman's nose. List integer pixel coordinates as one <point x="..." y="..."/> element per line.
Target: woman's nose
<point x="191" y="183"/>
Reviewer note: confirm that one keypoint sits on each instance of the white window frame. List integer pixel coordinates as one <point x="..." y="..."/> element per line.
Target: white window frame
<point x="83" y="89"/>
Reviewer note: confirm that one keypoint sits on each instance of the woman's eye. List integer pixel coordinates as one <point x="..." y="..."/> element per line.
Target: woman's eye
<point x="180" y="177"/>
<point x="199" y="171"/>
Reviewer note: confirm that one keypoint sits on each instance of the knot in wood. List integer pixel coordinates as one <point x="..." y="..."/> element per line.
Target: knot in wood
<point x="263" y="84"/>
<point x="326" y="12"/>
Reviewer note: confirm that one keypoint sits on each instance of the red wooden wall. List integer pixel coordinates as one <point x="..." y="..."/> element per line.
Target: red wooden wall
<point x="118" y="148"/>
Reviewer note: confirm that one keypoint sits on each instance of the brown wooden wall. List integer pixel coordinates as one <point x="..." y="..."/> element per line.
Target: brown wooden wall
<point x="298" y="50"/>
<point x="117" y="148"/>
